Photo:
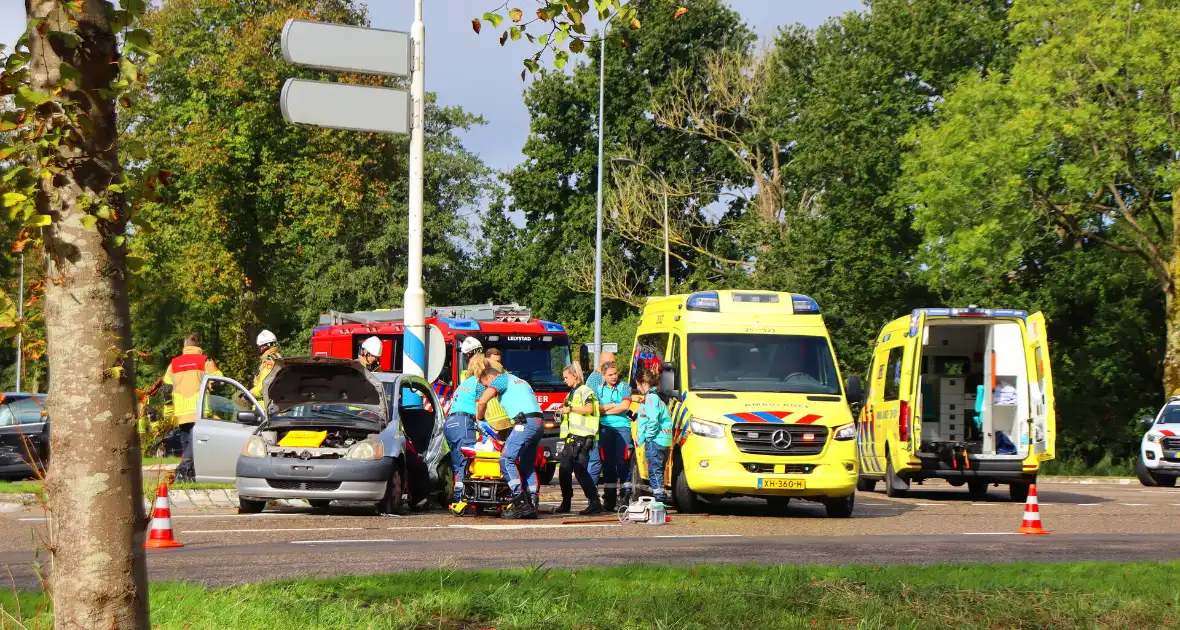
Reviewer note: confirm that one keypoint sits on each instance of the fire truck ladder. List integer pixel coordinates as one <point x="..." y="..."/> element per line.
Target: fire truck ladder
<point x="477" y="312"/>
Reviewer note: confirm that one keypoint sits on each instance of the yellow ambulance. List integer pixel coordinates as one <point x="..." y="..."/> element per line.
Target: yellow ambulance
<point x="755" y="396"/>
<point x="961" y="394"/>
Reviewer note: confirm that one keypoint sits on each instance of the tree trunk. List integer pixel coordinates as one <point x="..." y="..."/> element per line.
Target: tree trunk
<point x="1172" y="306"/>
<point x="99" y="575"/>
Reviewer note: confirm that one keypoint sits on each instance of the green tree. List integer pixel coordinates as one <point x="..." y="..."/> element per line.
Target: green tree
<point x="266" y="224"/>
<point x="1076" y="143"/>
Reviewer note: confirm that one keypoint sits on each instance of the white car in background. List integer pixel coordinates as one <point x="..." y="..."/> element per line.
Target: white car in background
<point x="1159" y="453"/>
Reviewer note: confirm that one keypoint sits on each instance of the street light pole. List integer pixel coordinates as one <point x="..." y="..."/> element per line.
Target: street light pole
<point x="20" y="318"/>
<point x="664" y="188"/>
<point x="414" y="339"/>
<point x="598" y="221"/>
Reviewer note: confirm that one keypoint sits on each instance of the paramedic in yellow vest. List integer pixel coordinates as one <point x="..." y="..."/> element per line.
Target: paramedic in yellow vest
<point x="183" y="382"/>
<point x="579" y="438"/>
<point x="268" y="347"/>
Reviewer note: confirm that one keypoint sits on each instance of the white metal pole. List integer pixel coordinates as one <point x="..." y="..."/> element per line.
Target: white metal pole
<point x="667" y="265"/>
<point x="414" y="339"/>
<point x="598" y="224"/>
<point x="20" y="308"/>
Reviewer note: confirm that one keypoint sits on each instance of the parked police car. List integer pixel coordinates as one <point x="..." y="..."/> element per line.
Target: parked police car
<point x="1159" y="453"/>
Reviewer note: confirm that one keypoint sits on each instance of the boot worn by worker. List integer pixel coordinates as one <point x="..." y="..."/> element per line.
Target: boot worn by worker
<point x="609" y="498"/>
<point x="564" y="508"/>
<point x="521" y="507"/>
<point x="595" y="506"/>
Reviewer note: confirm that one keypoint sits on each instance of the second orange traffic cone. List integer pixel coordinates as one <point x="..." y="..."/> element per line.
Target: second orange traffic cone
<point x="1032" y="514"/>
<point x="161" y="534"/>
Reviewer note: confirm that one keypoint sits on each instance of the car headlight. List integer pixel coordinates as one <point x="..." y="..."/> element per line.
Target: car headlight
<point x="846" y="432"/>
<point x="255" y="447"/>
<point x="366" y="450"/>
<point x="707" y="429"/>
<point x="1154" y="438"/>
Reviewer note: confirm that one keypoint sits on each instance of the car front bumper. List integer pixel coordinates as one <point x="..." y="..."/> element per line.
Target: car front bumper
<point x="333" y="479"/>
<point x="1156" y="459"/>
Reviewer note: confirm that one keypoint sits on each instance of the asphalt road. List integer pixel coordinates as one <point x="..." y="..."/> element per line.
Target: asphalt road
<point x="935" y="524"/>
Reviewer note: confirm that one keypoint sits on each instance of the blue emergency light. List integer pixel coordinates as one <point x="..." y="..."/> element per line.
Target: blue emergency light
<point x="706" y="301"/>
<point x="804" y="305"/>
<point x="460" y="324"/>
<point x="970" y="311"/>
<point x="552" y="327"/>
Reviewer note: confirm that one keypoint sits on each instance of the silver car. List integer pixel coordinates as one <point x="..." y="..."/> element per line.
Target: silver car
<point x="362" y="437"/>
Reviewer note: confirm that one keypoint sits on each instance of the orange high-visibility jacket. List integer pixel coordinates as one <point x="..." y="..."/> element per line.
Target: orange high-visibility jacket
<point x="184" y="375"/>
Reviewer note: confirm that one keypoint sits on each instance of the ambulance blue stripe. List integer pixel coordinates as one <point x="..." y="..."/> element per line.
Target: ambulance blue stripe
<point x="768" y="417"/>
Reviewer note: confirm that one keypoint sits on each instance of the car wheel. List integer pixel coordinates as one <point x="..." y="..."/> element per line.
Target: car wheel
<point x="687" y="501"/>
<point x="866" y="485"/>
<point x="392" y="502"/>
<point x="545" y="475"/>
<point x="1018" y="492"/>
<point x="250" y="506"/>
<point x="892" y="482"/>
<point x="447" y="481"/>
<point x="840" y="507"/>
<point x="320" y="504"/>
<point x="1145" y="476"/>
<point x="977" y="489"/>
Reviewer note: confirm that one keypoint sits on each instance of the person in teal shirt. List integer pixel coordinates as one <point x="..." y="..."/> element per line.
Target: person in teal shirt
<point x="614" y="434"/>
<point x="654" y="431"/>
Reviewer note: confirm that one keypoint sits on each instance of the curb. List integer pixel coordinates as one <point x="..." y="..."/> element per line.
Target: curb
<point x="1090" y="481"/>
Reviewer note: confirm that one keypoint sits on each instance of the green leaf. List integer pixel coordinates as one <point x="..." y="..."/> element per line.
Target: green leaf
<point x="12" y="172"/>
<point x="135" y="263"/>
<point x="70" y="73"/>
<point x="32" y="97"/>
<point x="89" y="221"/>
<point x="39" y="220"/>
<point x="515" y="14"/>
<point x="118" y="240"/>
<point x="115" y="188"/>
<point x="543" y="40"/>
<point x="577" y="46"/>
<point x="11" y="199"/>
<point x="139" y="38"/>
<point x="128" y="69"/>
<point x="135" y="149"/>
<point x="531" y="65"/>
<point x="68" y="39"/>
<point x="104" y="213"/>
<point x="560" y="59"/>
<point x="515" y="33"/>
<point x="561" y="36"/>
<point x="494" y="18"/>
<point x="579" y="28"/>
<point x="574" y="15"/>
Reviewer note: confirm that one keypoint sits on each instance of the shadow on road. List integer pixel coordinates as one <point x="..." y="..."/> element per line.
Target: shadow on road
<point x="994" y="495"/>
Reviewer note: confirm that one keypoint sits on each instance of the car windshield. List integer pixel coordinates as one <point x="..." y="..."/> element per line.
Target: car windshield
<point x="343" y="412"/>
<point x="1171" y="415"/>
<point x="801" y="364"/>
<point x="540" y="363"/>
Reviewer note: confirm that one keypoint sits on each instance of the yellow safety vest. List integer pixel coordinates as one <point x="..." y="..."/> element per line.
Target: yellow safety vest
<point x="581" y="425"/>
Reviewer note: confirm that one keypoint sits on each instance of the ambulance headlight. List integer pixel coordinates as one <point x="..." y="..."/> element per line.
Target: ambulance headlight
<point x="707" y="429"/>
<point x="255" y="447"/>
<point x="846" y="432"/>
<point x="366" y="450"/>
<point x="1154" y="438"/>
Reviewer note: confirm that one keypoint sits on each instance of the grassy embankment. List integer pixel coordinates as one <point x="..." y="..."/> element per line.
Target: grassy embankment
<point x="1067" y="595"/>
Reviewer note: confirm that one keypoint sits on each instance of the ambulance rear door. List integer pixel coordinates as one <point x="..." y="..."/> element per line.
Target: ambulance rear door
<point x="910" y="413"/>
<point x="1040" y="385"/>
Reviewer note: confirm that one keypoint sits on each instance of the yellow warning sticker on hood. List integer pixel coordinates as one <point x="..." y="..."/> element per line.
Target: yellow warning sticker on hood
<point x="303" y="439"/>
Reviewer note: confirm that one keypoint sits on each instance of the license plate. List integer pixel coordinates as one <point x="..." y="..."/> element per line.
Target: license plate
<point x="782" y="484"/>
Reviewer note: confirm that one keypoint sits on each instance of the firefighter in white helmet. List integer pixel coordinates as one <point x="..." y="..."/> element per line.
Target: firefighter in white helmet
<point x="370" y="355"/>
<point x="268" y="348"/>
<point x="469" y="348"/>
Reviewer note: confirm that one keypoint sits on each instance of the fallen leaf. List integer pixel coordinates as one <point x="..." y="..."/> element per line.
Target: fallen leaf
<point x="679" y="12"/>
<point x="475" y="25"/>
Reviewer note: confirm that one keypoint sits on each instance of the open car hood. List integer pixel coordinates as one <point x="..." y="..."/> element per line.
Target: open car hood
<point x="330" y="381"/>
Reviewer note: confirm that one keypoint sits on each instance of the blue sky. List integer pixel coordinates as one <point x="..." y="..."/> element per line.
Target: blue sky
<point x="474" y="72"/>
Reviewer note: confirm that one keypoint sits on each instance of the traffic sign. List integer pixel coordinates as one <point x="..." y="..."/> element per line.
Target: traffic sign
<point x="346" y="106"/>
<point x="346" y="48"/>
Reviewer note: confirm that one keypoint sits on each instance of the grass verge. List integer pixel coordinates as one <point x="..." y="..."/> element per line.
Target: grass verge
<point x="149" y="486"/>
<point x="1077" y="467"/>
<point x="1065" y="595"/>
<point x="152" y="461"/>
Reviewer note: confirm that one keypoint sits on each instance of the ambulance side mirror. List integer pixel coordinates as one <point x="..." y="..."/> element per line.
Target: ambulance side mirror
<point x="668" y="381"/>
<point x="854" y="390"/>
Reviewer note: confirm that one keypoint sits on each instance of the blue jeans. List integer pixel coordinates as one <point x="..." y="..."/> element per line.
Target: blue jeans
<point x="594" y="467"/>
<point x="616" y="472"/>
<point x="657" y="457"/>
<point x="460" y="432"/>
<point x="519" y="459"/>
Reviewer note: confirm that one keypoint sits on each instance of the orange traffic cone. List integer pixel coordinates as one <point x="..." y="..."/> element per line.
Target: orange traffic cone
<point x="1032" y="514"/>
<point x="161" y="535"/>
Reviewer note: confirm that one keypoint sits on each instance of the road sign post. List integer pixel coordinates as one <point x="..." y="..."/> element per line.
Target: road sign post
<point x="346" y="48"/>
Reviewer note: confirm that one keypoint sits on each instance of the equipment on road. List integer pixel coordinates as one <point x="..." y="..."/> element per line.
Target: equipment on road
<point x="484" y="487"/>
<point x="645" y="510"/>
<point x="161" y="534"/>
<point x="1032" y="514"/>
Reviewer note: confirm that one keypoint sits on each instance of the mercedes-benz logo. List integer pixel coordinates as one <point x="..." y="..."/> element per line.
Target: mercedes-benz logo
<point x="781" y="439"/>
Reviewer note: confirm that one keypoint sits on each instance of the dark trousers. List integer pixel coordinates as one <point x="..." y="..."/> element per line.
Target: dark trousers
<point x="186" y="471"/>
<point x="575" y="457"/>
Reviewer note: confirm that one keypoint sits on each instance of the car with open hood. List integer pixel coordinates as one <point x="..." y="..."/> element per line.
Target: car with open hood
<point x="326" y="430"/>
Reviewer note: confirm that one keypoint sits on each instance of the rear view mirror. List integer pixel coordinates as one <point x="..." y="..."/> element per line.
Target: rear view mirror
<point x="854" y="390"/>
<point x="668" y="381"/>
<point x="247" y="417"/>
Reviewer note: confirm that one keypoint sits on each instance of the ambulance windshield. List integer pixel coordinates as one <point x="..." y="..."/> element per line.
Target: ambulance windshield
<point x="800" y="364"/>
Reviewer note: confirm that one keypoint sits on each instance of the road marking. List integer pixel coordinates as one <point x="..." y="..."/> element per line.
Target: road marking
<point x="701" y="536"/>
<point x="415" y="527"/>
<point x="42" y="519"/>
<point x="537" y="526"/>
<point x="268" y="530"/>
<point x="990" y="533"/>
<point x="1087" y="504"/>
<point x="986" y="504"/>
<point x="931" y="504"/>
<point x="337" y="542"/>
<point x="1137" y="504"/>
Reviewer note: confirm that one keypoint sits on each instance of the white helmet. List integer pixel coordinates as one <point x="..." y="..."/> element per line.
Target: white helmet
<point x="470" y="345"/>
<point x="372" y="345"/>
<point x="266" y="337"/>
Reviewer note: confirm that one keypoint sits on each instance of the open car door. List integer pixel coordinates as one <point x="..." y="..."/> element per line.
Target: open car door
<point x="229" y="416"/>
<point x="1040" y="388"/>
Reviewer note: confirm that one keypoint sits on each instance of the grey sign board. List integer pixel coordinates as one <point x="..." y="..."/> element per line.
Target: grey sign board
<point x="347" y="48"/>
<point x="346" y="106"/>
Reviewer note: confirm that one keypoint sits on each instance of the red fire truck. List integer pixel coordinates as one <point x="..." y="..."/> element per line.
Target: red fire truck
<point x="534" y="350"/>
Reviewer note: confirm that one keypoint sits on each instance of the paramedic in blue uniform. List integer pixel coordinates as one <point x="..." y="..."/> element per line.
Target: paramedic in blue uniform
<point x="614" y="399"/>
<point x="519" y="459"/>
<point x="654" y="431"/>
<point x="594" y="382"/>
<point x="460" y="428"/>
